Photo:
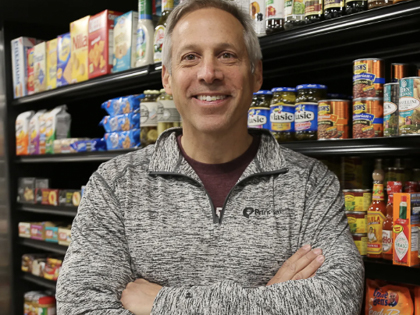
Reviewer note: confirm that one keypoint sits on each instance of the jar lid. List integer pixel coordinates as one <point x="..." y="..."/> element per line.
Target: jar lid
<point x="153" y="92"/>
<point x="264" y="92"/>
<point x="283" y="89"/>
<point x="162" y="91"/>
<point x="311" y="86"/>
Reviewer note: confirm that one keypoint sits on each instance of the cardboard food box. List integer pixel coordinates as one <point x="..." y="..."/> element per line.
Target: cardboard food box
<point x="38" y="230"/>
<point x="22" y="132"/>
<point x="64" y="235"/>
<point x="125" y="32"/>
<point x="52" y="268"/>
<point x="52" y="64"/>
<point x="40" y="67"/>
<point x="49" y="197"/>
<point x="79" y="32"/>
<point x="101" y="43"/>
<point x="63" y="59"/>
<point x="28" y="259"/>
<point x="34" y="132"/>
<point x="27" y="187"/>
<point x="405" y="231"/>
<point x="20" y="47"/>
<point x="30" y="71"/>
<point x="70" y="198"/>
<point x="25" y="229"/>
<point x="51" y="233"/>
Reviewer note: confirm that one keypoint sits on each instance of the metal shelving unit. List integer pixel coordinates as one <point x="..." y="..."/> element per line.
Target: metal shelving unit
<point x="45" y="246"/>
<point x="58" y="210"/>
<point x="44" y="283"/>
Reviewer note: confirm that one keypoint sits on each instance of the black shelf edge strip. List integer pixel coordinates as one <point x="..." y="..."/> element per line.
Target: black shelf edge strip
<point x="49" y="284"/>
<point x="51" y="247"/>
<point x="59" y="210"/>
<point x="385" y="270"/>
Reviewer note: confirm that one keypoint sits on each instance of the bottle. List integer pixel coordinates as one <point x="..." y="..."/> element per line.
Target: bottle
<point x="294" y="12"/>
<point x="148" y="118"/>
<point x="403" y="208"/>
<point x="257" y="12"/>
<point x="314" y="11"/>
<point x="387" y="226"/>
<point x="167" y="7"/>
<point x="145" y="34"/>
<point x="354" y="6"/>
<point x="167" y="114"/>
<point x="274" y="15"/>
<point x="334" y="9"/>
<point x="376" y="213"/>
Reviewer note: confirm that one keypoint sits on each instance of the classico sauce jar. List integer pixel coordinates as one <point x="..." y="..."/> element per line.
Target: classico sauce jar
<point x="259" y="112"/>
<point x="148" y="117"/>
<point x="282" y="113"/>
<point x="306" y="110"/>
<point x="167" y="114"/>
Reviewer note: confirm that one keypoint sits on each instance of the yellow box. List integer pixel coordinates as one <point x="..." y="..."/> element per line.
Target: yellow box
<point x="40" y="65"/>
<point x="79" y="33"/>
<point x="52" y="64"/>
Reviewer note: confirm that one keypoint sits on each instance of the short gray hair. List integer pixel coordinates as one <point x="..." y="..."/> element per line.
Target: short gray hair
<point x="251" y="39"/>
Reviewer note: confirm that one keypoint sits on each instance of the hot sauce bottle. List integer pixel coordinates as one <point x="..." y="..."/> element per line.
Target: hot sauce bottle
<point x="387" y="226"/>
<point x="376" y="213"/>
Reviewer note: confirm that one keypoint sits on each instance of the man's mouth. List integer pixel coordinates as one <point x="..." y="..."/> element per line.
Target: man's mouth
<point x="210" y="98"/>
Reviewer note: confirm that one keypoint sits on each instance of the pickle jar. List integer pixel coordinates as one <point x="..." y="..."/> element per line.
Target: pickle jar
<point x="354" y="6"/>
<point x="306" y="110"/>
<point x="282" y="113"/>
<point x="259" y="112"/>
<point x="167" y="114"/>
<point x="254" y="102"/>
<point x="148" y="117"/>
<point x="334" y="9"/>
<point x="314" y="11"/>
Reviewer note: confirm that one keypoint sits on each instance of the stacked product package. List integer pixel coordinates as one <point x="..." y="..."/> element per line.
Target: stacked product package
<point x="122" y="125"/>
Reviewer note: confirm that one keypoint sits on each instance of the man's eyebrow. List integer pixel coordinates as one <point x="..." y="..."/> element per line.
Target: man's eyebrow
<point x="195" y="47"/>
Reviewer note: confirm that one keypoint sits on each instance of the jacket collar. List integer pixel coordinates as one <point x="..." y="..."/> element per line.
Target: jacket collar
<point x="168" y="159"/>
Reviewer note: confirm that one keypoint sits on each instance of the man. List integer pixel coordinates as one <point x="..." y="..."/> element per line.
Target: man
<point x="214" y="218"/>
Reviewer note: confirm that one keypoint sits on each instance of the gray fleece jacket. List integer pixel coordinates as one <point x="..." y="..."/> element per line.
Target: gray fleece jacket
<point x="147" y="215"/>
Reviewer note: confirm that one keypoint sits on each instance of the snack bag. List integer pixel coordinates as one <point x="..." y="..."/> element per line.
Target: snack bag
<point x="123" y="122"/>
<point x="52" y="64"/>
<point x="387" y="299"/>
<point x="40" y="66"/>
<point x="20" y="47"/>
<point x="63" y="60"/>
<point x="42" y="132"/>
<point x="123" y="140"/>
<point x="57" y="127"/>
<point x="122" y="105"/>
<point x="22" y="132"/>
<point x="417" y="301"/>
<point x="79" y="32"/>
<point x="30" y="66"/>
<point x="34" y="132"/>
<point x="125" y="32"/>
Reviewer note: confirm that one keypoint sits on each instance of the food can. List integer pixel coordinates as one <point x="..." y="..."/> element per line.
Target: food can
<point x="333" y="119"/>
<point x="361" y="241"/>
<point x="368" y="117"/>
<point x="393" y="187"/>
<point x="357" y="222"/>
<point x="411" y="186"/>
<point x="391" y="97"/>
<point x="409" y="106"/>
<point x="399" y="71"/>
<point x="368" y="77"/>
<point x="357" y="200"/>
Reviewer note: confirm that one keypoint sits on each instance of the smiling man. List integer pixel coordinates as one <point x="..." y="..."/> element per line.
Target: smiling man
<point x="214" y="218"/>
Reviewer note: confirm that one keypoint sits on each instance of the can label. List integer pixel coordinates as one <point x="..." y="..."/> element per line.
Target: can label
<point x="313" y="7"/>
<point x="357" y="203"/>
<point x="391" y="95"/>
<point x="333" y="120"/>
<point x="148" y="114"/>
<point x="333" y="4"/>
<point x="274" y="9"/>
<point x="409" y="106"/>
<point x="357" y="225"/>
<point x="375" y="221"/>
<point x="282" y="118"/>
<point x="367" y="78"/>
<point x="387" y="242"/>
<point x="306" y="117"/>
<point x="259" y="117"/>
<point x="367" y="119"/>
<point x="362" y="245"/>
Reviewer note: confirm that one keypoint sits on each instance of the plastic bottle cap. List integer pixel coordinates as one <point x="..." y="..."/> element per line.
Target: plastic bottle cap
<point x="403" y="198"/>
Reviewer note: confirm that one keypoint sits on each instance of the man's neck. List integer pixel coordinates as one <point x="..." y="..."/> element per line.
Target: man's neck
<point x="215" y="148"/>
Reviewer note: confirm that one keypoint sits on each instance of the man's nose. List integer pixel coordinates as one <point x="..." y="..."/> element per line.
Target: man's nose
<point x="209" y="71"/>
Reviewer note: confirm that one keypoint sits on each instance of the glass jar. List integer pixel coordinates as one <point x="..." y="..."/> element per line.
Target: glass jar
<point x="379" y="3"/>
<point x="167" y="114"/>
<point x="354" y="6"/>
<point x="259" y="112"/>
<point x="314" y="11"/>
<point x="148" y="117"/>
<point x="275" y="16"/>
<point x="334" y="9"/>
<point x="282" y="113"/>
<point x="294" y="12"/>
<point x="306" y="110"/>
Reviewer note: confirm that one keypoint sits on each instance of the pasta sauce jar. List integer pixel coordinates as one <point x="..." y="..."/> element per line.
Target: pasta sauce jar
<point x="367" y="117"/>
<point x="282" y="113"/>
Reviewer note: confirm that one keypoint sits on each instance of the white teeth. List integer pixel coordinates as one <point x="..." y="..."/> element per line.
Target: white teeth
<point x="209" y="98"/>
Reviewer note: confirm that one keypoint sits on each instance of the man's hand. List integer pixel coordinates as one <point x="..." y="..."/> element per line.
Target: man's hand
<point x="138" y="296"/>
<point x="302" y="265"/>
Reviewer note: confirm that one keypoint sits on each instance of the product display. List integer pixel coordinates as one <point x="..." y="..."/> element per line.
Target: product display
<point x="122" y="140"/>
<point x="40" y="67"/>
<point x="294" y="11"/>
<point x="274" y="15"/>
<point x="314" y="11"/>
<point x="159" y="35"/>
<point x="282" y="113"/>
<point x="368" y="77"/>
<point x="40" y="303"/>
<point x="367" y="117"/>
<point x="334" y="8"/>
<point x="333" y="119"/>
<point x="257" y="11"/>
<point x="409" y="106"/>
<point x="145" y="34"/>
<point x="125" y="32"/>
<point x="51" y="64"/>
<point x="64" y="64"/>
<point x="259" y="113"/>
<point x="122" y="122"/>
<point x="79" y="33"/>
<point x="20" y="47"/>
<point x="354" y="6"/>
<point x="28" y="187"/>
<point x="391" y="113"/>
<point x="149" y="117"/>
<point x="167" y="114"/>
<point x="22" y="132"/>
<point x="379" y="3"/>
<point x="357" y="200"/>
<point x="122" y="105"/>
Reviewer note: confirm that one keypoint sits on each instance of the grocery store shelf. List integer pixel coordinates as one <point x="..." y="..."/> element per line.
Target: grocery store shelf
<point x="385" y="270"/>
<point x="72" y="157"/>
<point x="49" y="284"/>
<point x="396" y="146"/>
<point x="58" y="210"/>
<point x="51" y="247"/>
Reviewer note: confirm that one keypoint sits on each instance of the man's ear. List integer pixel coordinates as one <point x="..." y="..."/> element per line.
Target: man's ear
<point x="166" y="80"/>
<point x="258" y="76"/>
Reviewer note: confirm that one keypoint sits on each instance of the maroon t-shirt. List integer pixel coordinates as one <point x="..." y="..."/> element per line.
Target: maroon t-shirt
<point x="218" y="179"/>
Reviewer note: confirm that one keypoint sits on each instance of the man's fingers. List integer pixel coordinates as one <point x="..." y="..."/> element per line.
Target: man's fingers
<point x="310" y="269"/>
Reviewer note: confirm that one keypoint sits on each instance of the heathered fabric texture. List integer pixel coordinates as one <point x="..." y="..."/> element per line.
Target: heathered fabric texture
<point x="146" y="215"/>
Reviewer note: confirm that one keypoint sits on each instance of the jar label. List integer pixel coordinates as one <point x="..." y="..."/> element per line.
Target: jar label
<point x="387" y="242"/>
<point x="167" y="5"/>
<point x="167" y="112"/>
<point x="148" y="114"/>
<point x="158" y="43"/>
<point x="282" y="118"/>
<point x="362" y="245"/>
<point x="313" y="7"/>
<point x="333" y="4"/>
<point x="259" y="117"/>
<point x="375" y="221"/>
<point x="306" y="117"/>
<point x="274" y="9"/>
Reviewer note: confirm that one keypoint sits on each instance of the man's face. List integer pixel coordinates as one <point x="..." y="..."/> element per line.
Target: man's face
<point x="211" y="80"/>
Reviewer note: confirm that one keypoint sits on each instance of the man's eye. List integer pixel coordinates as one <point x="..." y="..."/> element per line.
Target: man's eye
<point x="227" y="55"/>
<point x="189" y="57"/>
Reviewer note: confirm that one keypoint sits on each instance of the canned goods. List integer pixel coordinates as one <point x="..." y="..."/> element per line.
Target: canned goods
<point x="259" y="114"/>
<point x="368" y="77"/>
<point x="357" y="222"/>
<point x="333" y="117"/>
<point x="391" y="96"/>
<point x="399" y="71"/>
<point x="409" y="106"/>
<point x="357" y="200"/>
<point x="411" y="186"/>
<point x="367" y="118"/>
<point x="361" y="241"/>
<point x="393" y="187"/>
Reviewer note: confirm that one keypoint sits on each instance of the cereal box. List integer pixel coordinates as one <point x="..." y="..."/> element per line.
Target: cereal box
<point x="22" y="132"/>
<point x="52" y="64"/>
<point x="101" y="43"/>
<point x="63" y="60"/>
<point x="40" y="66"/>
<point x="79" y="32"/>
<point x="20" y="47"/>
<point x="125" y="32"/>
<point x="30" y="71"/>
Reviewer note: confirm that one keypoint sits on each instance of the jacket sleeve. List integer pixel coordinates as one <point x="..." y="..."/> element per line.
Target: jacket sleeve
<point x="336" y="289"/>
<point x="96" y="268"/>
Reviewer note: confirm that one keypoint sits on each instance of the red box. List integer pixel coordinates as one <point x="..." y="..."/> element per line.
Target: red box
<point x="101" y="43"/>
<point x="49" y="197"/>
<point x="30" y="65"/>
